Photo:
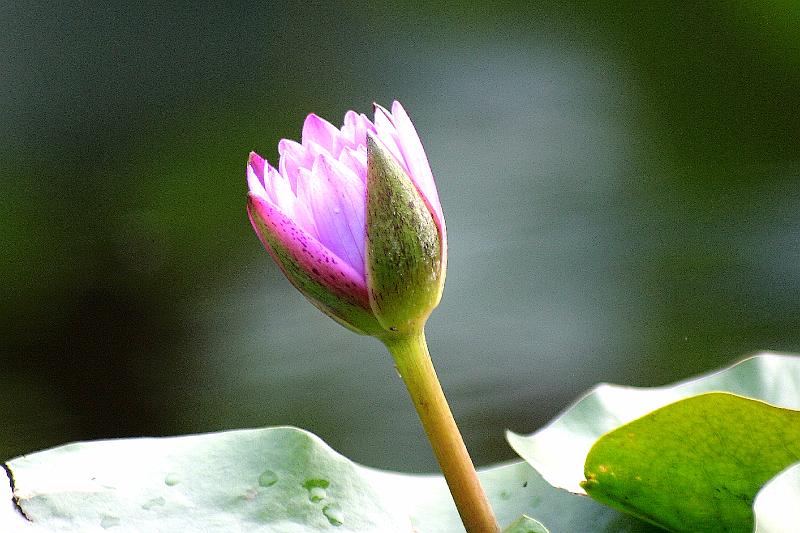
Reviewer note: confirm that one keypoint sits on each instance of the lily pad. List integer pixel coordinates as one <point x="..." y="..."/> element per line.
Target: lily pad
<point x="777" y="506"/>
<point x="262" y="480"/>
<point x="526" y="524"/>
<point x="11" y="517"/>
<point x="513" y="489"/>
<point x="694" y="465"/>
<point x="558" y="451"/>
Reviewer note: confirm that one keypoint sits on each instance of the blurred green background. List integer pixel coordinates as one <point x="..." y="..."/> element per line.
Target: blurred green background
<point x="620" y="184"/>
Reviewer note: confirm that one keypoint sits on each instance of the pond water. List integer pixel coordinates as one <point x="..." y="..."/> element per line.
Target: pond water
<point x="620" y="191"/>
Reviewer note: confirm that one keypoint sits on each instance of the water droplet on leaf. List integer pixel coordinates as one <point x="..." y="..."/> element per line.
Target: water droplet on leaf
<point x="317" y="494"/>
<point x="333" y="512"/>
<point x="316" y="489"/>
<point x="109" y="521"/>
<point x="267" y="478"/>
<point x="155" y="502"/>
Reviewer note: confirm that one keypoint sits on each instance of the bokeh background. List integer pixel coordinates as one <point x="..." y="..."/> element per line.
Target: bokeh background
<point x="620" y="181"/>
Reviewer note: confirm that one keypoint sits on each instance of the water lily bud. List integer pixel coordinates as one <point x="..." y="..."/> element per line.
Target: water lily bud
<point x="312" y="211"/>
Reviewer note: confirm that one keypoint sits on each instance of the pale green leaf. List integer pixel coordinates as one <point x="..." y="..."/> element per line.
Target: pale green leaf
<point x="263" y="480"/>
<point x="694" y="465"/>
<point x="513" y="489"/>
<point x="559" y="450"/>
<point x="281" y="479"/>
<point x="526" y="524"/>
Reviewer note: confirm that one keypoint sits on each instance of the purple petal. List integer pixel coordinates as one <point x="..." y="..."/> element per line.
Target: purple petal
<point x="303" y="216"/>
<point x="349" y="127"/>
<point x="255" y="175"/>
<point x="383" y="117"/>
<point x="293" y="157"/>
<point x="363" y="125"/>
<point x="386" y="132"/>
<point x="279" y="191"/>
<point x="316" y="260"/>
<point x="415" y="158"/>
<point x="356" y="160"/>
<point x="313" y="151"/>
<point x="321" y="132"/>
<point x="336" y="198"/>
<point x="269" y="184"/>
<point x="354" y="130"/>
<point x="257" y="162"/>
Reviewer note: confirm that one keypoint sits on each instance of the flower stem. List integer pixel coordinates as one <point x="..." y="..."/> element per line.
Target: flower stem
<point x="413" y="362"/>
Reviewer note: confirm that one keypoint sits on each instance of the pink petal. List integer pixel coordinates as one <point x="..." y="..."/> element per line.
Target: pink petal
<point x="255" y="175"/>
<point x="337" y="200"/>
<point x="415" y="158"/>
<point x="293" y="157"/>
<point x="387" y="133"/>
<point x="356" y="160"/>
<point x="279" y="191"/>
<point x="303" y="215"/>
<point x="257" y="162"/>
<point x="382" y="116"/>
<point x="355" y="129"/>
<point x="313" y="151"/>
<point x="311" y="256"/>
<point x="348" y="134"/>
<point x="363" y="125"/>
<point x="320" y="131"/>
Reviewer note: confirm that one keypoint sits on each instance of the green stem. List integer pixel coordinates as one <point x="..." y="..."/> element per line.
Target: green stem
<point x="413" y="362"/>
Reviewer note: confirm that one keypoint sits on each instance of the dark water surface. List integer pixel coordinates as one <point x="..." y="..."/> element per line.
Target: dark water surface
<point x="620" y="186"/>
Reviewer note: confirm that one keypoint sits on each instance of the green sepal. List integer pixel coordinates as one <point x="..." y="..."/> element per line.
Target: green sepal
<point x="404" y="249"/>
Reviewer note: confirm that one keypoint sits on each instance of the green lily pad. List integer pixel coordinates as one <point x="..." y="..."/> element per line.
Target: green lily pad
<point x="11" y="517"/>
<point x="513" y="489"/>
<point x="558" y="451"/>
<point x="694" y="465"/>
<point x="274" y="479"/>
<point x="777" y="505"/>
<point x="262" y="480"/>
<point x="280" y="480"/>
<point x="526" y="524"/>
